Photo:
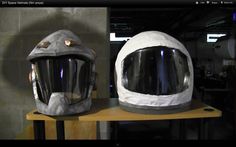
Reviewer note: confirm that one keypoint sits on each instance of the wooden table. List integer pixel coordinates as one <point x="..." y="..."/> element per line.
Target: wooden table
<point x="109" y="110"/>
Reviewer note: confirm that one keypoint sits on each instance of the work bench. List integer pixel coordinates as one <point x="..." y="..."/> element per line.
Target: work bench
<point x="107" y="109"/>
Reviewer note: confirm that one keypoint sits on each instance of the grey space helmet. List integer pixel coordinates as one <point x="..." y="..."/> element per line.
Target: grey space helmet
<point x="63" y="74"/>
<point x="154" y="74"/>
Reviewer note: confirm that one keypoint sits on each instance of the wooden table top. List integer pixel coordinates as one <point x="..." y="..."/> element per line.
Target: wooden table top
<point x="107" y="109"/>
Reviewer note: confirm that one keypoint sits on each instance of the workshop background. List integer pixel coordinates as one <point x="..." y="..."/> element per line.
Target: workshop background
<point x="21" y="29"/>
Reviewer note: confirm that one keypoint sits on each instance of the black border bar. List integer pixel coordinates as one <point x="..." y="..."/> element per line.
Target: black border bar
<point x="113" y="3"/>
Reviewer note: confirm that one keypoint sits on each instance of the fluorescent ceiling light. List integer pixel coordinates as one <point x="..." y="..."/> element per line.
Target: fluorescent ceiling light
<point x="114" y="38"/>
<point x="213" y="37"/>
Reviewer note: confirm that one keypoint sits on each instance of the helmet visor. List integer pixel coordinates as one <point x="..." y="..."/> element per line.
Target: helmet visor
<point x="156" y="71"/>
<point x="70" y="75"/>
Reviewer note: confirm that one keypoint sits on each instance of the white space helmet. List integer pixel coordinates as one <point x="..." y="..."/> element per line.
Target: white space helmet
<point x="154" y="74"/>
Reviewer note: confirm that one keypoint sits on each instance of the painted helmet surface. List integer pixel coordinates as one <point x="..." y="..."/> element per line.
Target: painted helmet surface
<point x="63" y="73"/>
<point x="154" y="74"/>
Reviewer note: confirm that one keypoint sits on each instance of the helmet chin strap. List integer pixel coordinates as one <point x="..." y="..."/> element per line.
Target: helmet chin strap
<point x="60" y="105"/>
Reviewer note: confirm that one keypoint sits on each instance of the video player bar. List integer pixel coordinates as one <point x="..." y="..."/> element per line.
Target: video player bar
<point x="77" y="3"/>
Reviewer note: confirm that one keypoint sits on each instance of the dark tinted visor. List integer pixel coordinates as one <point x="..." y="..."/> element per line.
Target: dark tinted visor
<point x="70" y="75"/>
<point x="156" y="71"/>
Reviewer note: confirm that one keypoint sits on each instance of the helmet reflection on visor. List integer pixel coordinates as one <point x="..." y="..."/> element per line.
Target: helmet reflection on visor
<point x="66" y="74"/>
<point x="63" y="74"/>
<point x="154" y="74"/>
<point x="156" y="71"/>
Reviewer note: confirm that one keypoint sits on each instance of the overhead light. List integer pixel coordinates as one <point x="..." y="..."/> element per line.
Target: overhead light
<point x="214" y="37"/>
<point x="162" y="52"/>
<point x="114" y="38"/>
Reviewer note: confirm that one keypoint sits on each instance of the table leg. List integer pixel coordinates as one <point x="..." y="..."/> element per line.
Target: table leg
<point x="98" y="130"/>
<point x="182" y="129"/>
<point x="203" y="132"/>
<point x="39" y="129"/>
<point x="200" y="129"/>
<point x="60" y="130"/>
<point x="170" y="129"/>
<point x="115" y="127"/>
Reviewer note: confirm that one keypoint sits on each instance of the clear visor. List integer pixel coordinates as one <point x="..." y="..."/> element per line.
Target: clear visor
<point x="156" y="71"/>
<point x="69" y="75"/>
